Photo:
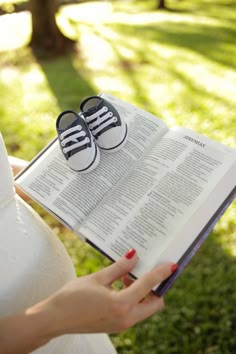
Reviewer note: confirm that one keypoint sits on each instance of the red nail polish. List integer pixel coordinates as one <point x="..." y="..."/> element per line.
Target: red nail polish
<point x="130" y="253"/>
<point x="174" y="268"/>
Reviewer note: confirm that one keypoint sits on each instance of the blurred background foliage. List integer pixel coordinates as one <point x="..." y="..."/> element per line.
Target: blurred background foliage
<point x="178" y="63"/>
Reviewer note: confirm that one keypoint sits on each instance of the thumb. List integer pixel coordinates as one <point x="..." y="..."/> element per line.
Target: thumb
<point x="118" y="269"/>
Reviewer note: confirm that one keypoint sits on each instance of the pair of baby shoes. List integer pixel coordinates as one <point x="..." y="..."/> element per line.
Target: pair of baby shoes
<point x="82" y="135"/>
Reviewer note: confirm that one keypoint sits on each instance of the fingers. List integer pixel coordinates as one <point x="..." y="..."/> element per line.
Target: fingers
<point x="146" y="308"/>
<point x="131" y="304"/>
<point x="118" y="269"/>
<point x="142" y="286"/>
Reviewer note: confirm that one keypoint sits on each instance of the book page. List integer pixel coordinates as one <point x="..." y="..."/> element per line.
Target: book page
<point x="72" y="196"/>
<point x="178" y="177"/>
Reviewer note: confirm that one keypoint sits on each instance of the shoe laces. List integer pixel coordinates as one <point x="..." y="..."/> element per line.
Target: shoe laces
<point x="98" y="120"/>
<point x="79" y="133"/>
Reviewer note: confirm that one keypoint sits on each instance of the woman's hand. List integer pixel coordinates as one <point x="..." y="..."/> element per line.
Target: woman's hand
<point x="90" y="304"/>
<point x="86" y="305"/>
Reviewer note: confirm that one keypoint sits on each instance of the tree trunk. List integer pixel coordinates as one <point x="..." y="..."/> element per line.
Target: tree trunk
<point x="161" y="4"/>
<point x="47" y="39"/>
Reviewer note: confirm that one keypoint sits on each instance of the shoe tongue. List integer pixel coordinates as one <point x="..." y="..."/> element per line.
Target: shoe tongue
<point x="68" y="119"/>
<point x="92" y="105"/>
<point x="91" y="110"/>
<point x="73" y="124"/>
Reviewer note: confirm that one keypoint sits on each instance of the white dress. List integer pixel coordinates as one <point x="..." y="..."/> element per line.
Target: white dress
<point x="34" y="264"/>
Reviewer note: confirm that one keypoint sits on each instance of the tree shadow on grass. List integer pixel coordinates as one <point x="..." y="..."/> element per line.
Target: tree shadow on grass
<point x="69" y="84"/>
<point x="213" y="42"/>
<point x="219" y="10"/>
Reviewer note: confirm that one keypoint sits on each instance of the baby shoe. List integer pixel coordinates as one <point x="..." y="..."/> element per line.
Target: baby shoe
<point x="76" y="142"/>
<point x="105" y="123"/>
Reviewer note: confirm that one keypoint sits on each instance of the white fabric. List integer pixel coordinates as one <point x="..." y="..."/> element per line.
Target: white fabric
<point x="34" y="264"/>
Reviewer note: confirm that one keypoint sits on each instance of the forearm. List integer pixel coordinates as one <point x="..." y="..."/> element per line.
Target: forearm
<point x="24" y="332"/>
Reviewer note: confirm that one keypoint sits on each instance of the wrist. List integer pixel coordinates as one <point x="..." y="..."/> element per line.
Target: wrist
<point x="41" y="318"/>
<point x="30" y="329"/>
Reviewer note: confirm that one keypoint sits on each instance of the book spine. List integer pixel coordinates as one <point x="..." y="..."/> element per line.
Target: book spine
<point x="99" y="249"/>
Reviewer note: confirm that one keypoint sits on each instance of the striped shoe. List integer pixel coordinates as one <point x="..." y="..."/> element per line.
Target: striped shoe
<point x="105" y="123"/>
<point x="76" y="142"/>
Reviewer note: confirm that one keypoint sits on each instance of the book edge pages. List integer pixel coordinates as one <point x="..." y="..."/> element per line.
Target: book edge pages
<point x="196" y="244"/>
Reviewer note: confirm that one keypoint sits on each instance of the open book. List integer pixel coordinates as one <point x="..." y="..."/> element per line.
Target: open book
<point x="161" y="193"/>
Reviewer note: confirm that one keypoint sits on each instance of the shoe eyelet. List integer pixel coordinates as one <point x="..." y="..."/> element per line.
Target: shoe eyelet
<point x="64" y="150"/>
<point x="105" y="108"/>
<point x="62" y="143"/>
<point x="79" y="127"/>
<point x="87" y="140"/>
<point x="61" y="137"/>
<point x="114" y="119"/>
<point x="110" y="114"/>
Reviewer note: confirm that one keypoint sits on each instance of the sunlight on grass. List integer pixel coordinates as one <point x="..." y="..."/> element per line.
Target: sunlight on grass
<point x="15" y="30"/>
<point x="94" y="13"/>
<point x="97" y="52"/>
<point x="6" y="2"/>
<point x="28" y="89"/>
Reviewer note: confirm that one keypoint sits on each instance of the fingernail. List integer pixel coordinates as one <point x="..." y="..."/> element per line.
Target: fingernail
<point x="174" y="267"/>
<point x="130" y="253"/>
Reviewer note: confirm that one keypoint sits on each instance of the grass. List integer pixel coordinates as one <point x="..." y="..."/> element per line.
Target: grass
<point x="180" y="65"/>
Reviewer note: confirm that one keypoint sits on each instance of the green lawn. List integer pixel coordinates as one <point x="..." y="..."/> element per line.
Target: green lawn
<point x="178" y="64"/>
